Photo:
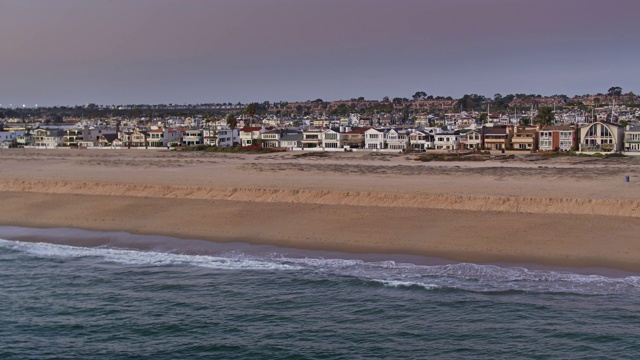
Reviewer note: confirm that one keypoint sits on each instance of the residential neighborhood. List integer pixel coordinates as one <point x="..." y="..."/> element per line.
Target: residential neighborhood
<point x="603" y="123"/>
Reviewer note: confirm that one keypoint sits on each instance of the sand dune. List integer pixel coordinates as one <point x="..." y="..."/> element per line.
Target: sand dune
<point x="419" y="201"/>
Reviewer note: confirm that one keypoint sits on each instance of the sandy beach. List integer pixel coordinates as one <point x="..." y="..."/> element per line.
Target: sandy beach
<point x="569" y="211"/>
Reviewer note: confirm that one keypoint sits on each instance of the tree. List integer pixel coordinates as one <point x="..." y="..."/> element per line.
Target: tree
<point x="545" y="116"/>
<point x="614" y="91"/>
<point x="251" y="111"/>
<point x="419" y="95"/>
<point x="232" y="122"/>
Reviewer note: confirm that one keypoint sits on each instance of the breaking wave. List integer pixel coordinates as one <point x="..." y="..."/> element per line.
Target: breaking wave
<point x="462" y="276"/>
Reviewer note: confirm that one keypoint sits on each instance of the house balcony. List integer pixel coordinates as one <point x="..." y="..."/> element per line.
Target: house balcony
<point x="597" y="148"/>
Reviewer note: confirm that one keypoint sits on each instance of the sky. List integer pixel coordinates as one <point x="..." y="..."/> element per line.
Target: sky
<point x="74" y="52"/>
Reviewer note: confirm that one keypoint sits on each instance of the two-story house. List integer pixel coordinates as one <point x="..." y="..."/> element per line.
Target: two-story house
<point x="602" y="137"/>
<point x="557" y="138"/>
<point x="471" y="140"/>
<point x="397" y="139"/>
<point x="632" y="141"/>
<point x="447" y="140"/>
<point x="312" y="138"/>
<point x="331" y="139"/>
<point x="191" y="137"/>
<point x="374" y="139"/>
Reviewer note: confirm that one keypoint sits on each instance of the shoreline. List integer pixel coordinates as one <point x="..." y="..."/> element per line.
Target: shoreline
<point x="561" y="212"/>
<point x="197" y="247"/>
<point x="476" y="236"/>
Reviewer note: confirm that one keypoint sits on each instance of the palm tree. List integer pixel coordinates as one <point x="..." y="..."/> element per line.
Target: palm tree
<point x="251" y="111"/>
<point x="545" y="116"/>
<point x="232" y="123"/>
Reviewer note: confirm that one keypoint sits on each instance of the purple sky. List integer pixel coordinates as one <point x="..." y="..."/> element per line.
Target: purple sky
<point x="177" y="51"/>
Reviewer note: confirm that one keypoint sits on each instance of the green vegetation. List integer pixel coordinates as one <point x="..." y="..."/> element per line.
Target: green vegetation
<point x="314" y="154"/>
<point x="545" y="116"/>
<point x="231" y="149"/>
<point x="456" y="157"/>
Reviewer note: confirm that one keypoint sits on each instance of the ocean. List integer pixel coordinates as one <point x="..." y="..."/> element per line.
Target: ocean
<point x="123" y="296"/>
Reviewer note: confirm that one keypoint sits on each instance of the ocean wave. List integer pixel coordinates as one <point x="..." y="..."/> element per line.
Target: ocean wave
<point x="407" y="284"/>
<point x="230" y="261"/>
<point x="489" y="279"/>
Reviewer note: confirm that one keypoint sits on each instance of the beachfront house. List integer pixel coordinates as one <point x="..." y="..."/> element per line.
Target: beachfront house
<point x="331" y="139"/>
<point x="133" y="139"/>
<point x="250" y="135"/>
<point x="557" y="138"/>
<point x="374" y="139"/>
<point x="397" y="139"/>
<point x="632" y="140"/>
<point x="524" y="138"/>
<point x="601" y="137"/>
<point x="354" y="138"/>
<point x="91" y="135"/>
<point x="226" y="137"/>
<point x="10" y="138"/>
<point x="171" y="137"/>
<point x="72" y="137"/>
<point x="471" y="140"/>
<point x="270" y="138"/>
<point x="155" y="137"/>
<point x="496" y="137"/>
<point x="191" y="137"/>
<point x="219" y="135"/>
<point x="312" y="138"/>
<point x="420" y="140"/>
<point x="107" y="140"/>
<point x="447" y="140"/>
<point x="291" y="141"/>
<point x="46" y="138"/>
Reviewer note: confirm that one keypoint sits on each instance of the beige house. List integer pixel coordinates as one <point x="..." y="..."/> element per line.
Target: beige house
<point x="496" y="137"/>
<point x="601" y="137"/>
<point x="525" y="138"/>
<point x="312" y="138"/>
<point x="471" y="140"/>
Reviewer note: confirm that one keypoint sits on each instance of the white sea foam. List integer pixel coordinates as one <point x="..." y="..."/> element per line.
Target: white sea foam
<point x="464" y="276"/>
<point x="396" y="283"/>
<point x="135" y="257"/>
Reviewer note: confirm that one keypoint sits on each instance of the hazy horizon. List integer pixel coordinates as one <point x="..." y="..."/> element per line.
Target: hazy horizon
<point x="71" y="52"/>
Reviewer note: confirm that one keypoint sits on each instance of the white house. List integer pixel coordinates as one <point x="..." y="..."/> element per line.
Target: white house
<point x="249" y="134"/>
<point x="632" y="141"/>
<point x="192" y="137"/>
<point x="331" y="139"/>
<point x="447" y="141"/>
<point x="421" y="140"/>
<point x="374" y="139"/>
<point x="397" y="139"/>
<point x="47" y="138"/>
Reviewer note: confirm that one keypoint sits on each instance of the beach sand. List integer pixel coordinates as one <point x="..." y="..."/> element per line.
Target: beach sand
<point x="567" y="211"/>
